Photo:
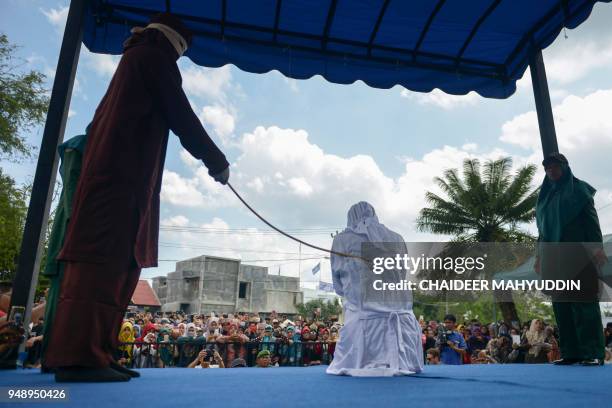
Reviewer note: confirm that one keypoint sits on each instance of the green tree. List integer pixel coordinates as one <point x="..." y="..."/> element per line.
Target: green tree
<point x="13" y="209"/>
<point x="23" y="102"/>
<point x="487" y="206"/>
<point x="328" y="308"/>
<point x="23" y="105"/>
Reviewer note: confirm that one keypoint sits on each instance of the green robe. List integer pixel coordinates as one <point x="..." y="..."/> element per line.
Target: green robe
<point x="71" y="155"/>
<point x="566" y="214"/>
<point x="580" y="328"/>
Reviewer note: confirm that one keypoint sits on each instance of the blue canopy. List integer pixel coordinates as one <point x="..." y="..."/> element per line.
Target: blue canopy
<point x="456" y="45"/>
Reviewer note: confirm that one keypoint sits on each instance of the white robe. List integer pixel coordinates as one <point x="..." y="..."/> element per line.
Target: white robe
<point x="378" y="338"/>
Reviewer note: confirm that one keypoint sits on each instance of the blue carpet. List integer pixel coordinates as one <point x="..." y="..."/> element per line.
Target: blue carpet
<point x="517" y="386"/>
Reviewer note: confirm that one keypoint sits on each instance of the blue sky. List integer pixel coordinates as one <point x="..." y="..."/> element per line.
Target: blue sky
<point x="303" y="151"/>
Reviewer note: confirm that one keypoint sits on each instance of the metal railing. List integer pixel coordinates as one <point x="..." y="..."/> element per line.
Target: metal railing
<point x="177" y="353"/>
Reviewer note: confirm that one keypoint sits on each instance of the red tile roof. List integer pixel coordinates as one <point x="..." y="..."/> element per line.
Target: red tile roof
<point x="144" y="295"/>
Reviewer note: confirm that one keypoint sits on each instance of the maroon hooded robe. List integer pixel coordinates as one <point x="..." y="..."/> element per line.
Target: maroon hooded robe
<point x="114" y="228"/>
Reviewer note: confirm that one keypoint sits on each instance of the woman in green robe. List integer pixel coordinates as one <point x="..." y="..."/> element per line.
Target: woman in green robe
<point x="71" y="154"/>
<point x="566" y="216"/>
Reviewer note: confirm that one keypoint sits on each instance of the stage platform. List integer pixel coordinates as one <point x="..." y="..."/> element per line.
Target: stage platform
<point x="512" y="385"/>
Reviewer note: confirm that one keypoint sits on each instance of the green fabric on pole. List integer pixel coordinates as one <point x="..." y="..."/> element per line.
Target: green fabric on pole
<point x="51" y="307"/>
<point x="71" y="155"/>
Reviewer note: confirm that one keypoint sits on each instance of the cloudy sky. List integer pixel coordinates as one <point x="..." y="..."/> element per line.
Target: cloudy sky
<point x="303" y="151"/>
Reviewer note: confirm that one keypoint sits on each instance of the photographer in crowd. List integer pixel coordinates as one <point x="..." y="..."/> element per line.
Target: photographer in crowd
<point x="450" y="342"/>
<point x="206" y="359"/>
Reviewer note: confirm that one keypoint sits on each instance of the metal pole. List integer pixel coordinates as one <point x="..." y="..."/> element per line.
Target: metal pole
<point x="300" y="260"/>
<point x="24" y="284"/>
<point x="546" y="122"/>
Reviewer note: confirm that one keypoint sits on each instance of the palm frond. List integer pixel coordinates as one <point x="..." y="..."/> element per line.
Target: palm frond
<point x="484" y="205"/>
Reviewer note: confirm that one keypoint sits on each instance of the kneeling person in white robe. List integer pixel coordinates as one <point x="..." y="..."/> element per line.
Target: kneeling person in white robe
<point x="381" y="336"/>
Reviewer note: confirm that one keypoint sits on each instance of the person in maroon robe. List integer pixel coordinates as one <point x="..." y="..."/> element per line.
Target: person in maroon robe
<point x="114" y="228"/>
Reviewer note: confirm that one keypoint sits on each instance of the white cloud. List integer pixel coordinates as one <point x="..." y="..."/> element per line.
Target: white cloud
<point x="441" y="99"/>
<point x="294" y="182"/>
<point x="256" y="184"/>
<point x="580" y="123"/>
<point x="584" y="135"/>
<point x="569" y="63"/>
<point x="57" y="17"/>
<point x="179" y="191"/>
<point x="200" y="190"/>
<point x="257" y="246"/>
<point x="175" y="221"/>
<point x="520" y="131"/>
<point x="102" y="64"/>
<point x="188" y="159"/>
<point x="221" y="120"/>
<point x="212" y="83"/>
<point x="300" y="186"/>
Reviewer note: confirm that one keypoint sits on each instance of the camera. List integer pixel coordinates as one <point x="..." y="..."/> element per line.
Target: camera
<point x="210" y="351"/>
<point x="443" y="334"/>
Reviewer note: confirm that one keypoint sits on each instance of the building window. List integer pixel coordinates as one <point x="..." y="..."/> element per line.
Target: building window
<point x="242" y="290"/>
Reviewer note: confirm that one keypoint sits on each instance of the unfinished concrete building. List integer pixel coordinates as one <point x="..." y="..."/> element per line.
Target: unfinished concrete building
<point x="223" y="285"/>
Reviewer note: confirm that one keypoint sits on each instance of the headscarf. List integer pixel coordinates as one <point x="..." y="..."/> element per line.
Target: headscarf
<point x="126" y="335"/>
<point x="137" y="330"/>
<point x="535" y="337"/>
<point x="187" y="327"/>
<point x="165" y="352"/>
<point x="267" y="338"/>
<point x="362" y="219"/>
<point x="560" y="202"/>
<point x="149" y="327"/>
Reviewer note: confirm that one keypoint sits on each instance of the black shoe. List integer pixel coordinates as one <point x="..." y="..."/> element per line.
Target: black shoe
<point x="89" y="374"/>
<point x="592" y="362"/>
<point x="124" y="370"/>
<point x="566" y="361"/>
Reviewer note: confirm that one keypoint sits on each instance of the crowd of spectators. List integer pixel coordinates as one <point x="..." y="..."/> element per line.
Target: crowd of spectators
<point x="270" y="340"/>
<point x="474" y="342"/>
<point x="226" y="340"/>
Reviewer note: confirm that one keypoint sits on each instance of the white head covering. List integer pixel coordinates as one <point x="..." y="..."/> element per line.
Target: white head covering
<point x="177" y="40"/>
<point x="354" y="278"/>
<point x="362" y="219"/>
<point x="187" y="327"/>
<point x="535" y="337"/>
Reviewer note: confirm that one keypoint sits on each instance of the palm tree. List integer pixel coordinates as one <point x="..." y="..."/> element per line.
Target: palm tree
<point x="487" y="206"/>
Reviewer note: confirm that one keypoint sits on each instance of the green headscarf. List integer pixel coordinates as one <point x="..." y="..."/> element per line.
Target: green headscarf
<point x="560" y="202"/>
